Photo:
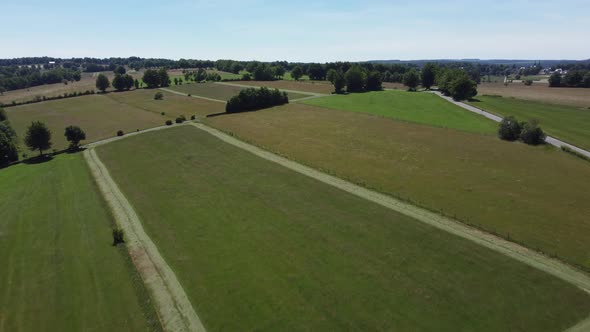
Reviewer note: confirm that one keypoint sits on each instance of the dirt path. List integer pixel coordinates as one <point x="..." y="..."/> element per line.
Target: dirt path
<point x="173" y="306"/>
<point x="551" y="140"/>
<point x="529" y="257"/>
<point x="186" y="94"/>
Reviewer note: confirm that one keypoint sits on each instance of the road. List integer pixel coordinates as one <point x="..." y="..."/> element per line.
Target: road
<point x="550" y="140"/>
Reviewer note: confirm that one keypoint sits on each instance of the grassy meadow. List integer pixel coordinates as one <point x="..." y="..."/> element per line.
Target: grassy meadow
<point x="259" y="247"/>
<point x="532" y="195"/>
<point x="60" y="271"/>
<point x="423" y="108"/>
<point x="569" y="123"/>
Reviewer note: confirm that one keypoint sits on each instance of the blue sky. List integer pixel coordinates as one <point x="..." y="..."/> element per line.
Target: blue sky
<point x="297" y="30"/>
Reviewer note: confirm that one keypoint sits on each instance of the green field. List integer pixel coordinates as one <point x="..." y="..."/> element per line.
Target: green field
<point x="259" y="247"/>
<point x="532" y="195"/>
<point x="287" y="77"/>
<point x="569" y="123"/>
<point x="101" y="116"/>
<point x="424" y="108"/>
<point x="60" y="271"/>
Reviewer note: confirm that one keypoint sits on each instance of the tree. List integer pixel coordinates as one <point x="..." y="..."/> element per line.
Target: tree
<point x="158" y="96"/>
<point x="278" y="71"/>
<point x="463" y="88"/>
<point x="74" y="135"/>
<point x="263" y="73"/>
<point x="129" y="82"/>
<point x="151" y="78"/>
<point x="136" y="83"/>
<point x="119" y="82"/>
<point x="8" y="142"/>
<point x="509" y="129"/>
<point x="339" y="81"/>
<point x="586" y="81"/>
<point x="355" y="79"/>
<point x="200" y="75"/>
<point x="2" y="90"/>
<point x="428" y="74"/>
<point x="296" y="73"/>
<point x="374" y="81"/>
<point x="164" y="78"/>
<point x="317" y="72"/>
<point x="38" y="137"/>
<point x="411" y="79"/>
<point x="120" y="70"/>
<point x="176" y="81"/>
<point x="3" y="116"/>
<point x="555" y="80"/>
<point x="331" y="75"/>
<point x="102" y="82"/>
<point x="531" y="133"/>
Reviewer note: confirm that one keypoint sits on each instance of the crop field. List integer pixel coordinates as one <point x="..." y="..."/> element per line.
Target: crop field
<point x="538" y="92"/>
<point x="99" y="116"/>
<point x="313" y="87"/>
<point x="533" y="195"/>
<point x="60" y="271"/>
<point x="569" y="123"/>
<point x="424" y="108"/>
<point x="259" y="247"/>
<point x="87" y="82"/>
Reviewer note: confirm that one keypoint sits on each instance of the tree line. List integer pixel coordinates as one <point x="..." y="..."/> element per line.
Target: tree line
<point x="572" y="79"/>
<point x="13" y="77"/>
<point x="252" y="99"/>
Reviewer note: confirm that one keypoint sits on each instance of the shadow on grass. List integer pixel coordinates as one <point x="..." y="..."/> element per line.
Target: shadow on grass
<point x="43" y="158"/>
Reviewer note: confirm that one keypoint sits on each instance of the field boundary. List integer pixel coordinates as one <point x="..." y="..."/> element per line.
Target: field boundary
<point x="518" y="252"/>
<point x="174" y="309"/>
<point x="550" y="140"/>
<point x="187" y="95"/>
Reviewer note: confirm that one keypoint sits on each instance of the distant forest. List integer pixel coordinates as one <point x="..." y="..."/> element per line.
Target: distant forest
<point x="21" y="73"/>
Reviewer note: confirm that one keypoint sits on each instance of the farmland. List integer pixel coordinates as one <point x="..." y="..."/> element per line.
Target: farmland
<point x="59" y="269"/>
<point x="538" y="92"/>
<point x="569" y="123"/>
<point x="218" y="91"/>
<point x="313" y="87"/>
<point x="273" y="249"/>
<point x="424" y="108"/>
<point x="532" y="195"/>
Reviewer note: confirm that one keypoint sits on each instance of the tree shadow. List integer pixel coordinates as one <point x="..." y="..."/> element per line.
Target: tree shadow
<point x="38" y="159"/>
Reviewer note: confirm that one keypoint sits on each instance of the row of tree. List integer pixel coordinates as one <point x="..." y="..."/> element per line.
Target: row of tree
<point x="573" y="79"/>
<point x="13" y="77"/>
<point x="252" y="99"/>
<point x="355" y="79"/>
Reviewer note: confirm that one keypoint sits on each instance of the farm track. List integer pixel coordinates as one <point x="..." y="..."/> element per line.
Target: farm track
<point x="186" y="94"/>
<point x="172" y="304"/>
<point x="550" y="140"/>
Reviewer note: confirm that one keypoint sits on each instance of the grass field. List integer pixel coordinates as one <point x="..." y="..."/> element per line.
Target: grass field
<point x="101" y="116"/>
<point x="424" y="108"/>
<point x="288" y="77"/>
<point x="228" y="76"/>
<point x="533" y="195"/>
<point x="259" y="247"/>
<point x="60" y="271"/>
<point x="538" y="92"/>
<point x="569" y="123"/>
<point x="314" y="87"/>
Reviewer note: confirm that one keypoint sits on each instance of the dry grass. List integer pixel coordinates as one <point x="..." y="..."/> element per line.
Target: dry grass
<point x="538" y="92"/>
<point x="397" y="86"/>
<point x="534" y="195"/>
<point x="315" y="87"/>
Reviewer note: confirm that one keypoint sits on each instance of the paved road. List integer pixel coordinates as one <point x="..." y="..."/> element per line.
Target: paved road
<point x="550" y="140"/>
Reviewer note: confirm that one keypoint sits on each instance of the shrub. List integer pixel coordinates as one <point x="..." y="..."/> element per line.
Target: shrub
<point x="118" y="236"/>
<point x="509" y="129"/>
<point x="180" y="119"/>
<point x="531" y="133"/>
<point x="159" y="96"/>
<point x="246" y="77"/>
<point x="252" y="99"/>
<point x="193" y="117"/>
<point x="528" y="82"/>
<point x="168" y="122"/>
<point x="120" y="133"/>
<point x="163" y="113"/>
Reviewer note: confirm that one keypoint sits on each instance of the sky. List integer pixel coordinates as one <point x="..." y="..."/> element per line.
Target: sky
<point x="310" y="30"/>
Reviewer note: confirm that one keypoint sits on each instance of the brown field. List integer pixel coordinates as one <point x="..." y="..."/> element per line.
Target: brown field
<point x="101" y="116"/>
<point x="388" y="85"/>
<point x="315" y="87"/>
<point x="533" y="195"/>
<point x="538" y="92"/>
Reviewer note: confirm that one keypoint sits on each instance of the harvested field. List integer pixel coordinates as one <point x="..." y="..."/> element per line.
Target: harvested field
<point x="272" y="249"/>
<point x="477" y="179"/>
<point x="314" y="87"/>
<point x="538" y="92"/>
<point x="60" y="271"/>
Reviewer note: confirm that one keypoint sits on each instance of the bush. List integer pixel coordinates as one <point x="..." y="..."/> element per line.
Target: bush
<point x="163" y="113"/>
<point x="118" y="236"/>
<point x="158" y="96"/>
<point x="252" y="99"/>
<point x="509" y="129"/>
<point x="193" y="117"/>
<point x="528" y="82"/>
<point x="532" y="134"/>
<point x="168" y="122"/>
<point x="120" y="133"/>
<point x="246" y="77"/>
<point x="180" y="119"/>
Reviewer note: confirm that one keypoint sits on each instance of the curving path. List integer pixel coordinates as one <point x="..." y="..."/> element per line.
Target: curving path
<point x="551" y="140"/>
